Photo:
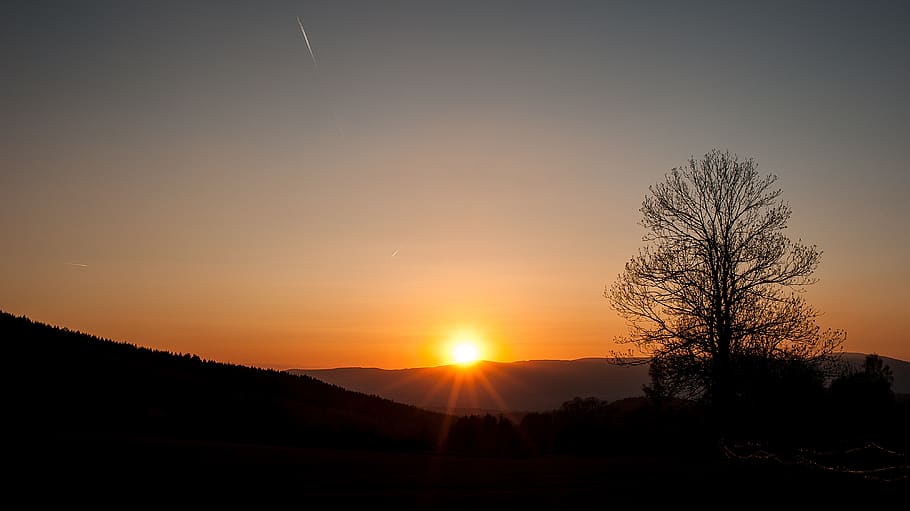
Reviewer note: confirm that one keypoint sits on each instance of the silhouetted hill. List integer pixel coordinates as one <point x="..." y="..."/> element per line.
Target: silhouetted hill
<point x="71" y="383"/>
<point x="528" y="386"/>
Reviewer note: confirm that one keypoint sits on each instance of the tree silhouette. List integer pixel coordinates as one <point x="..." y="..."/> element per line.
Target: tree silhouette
<point x="717" y="284"/>
<point x="866" y="389"/>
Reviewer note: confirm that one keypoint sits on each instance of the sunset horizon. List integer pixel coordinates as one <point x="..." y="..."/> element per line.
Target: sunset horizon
<point x="456" y="255"/>
<point x="325" y="184"/>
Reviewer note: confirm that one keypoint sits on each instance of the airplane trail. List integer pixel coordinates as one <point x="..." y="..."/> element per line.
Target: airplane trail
<point x="78" y="264"/>
<point x="316" y="67"/>
<point x="307" y="41"/>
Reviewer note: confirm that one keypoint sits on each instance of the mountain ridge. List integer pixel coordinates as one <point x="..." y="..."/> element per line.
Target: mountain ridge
<point x="520" y="386"/>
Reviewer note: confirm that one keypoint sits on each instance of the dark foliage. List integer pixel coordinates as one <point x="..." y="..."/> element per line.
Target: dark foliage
<point x="781" y="405"/>
<point x="865" y="402"/>
<point x="486" y="435"/>
<point x="588" y="427"/>
<point x="776" y="398"/>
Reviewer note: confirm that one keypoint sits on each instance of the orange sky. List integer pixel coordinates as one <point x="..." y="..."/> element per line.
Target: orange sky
<point x="189" y="182"/>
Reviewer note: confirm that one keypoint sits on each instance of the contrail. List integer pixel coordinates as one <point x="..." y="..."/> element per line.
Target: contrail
<point x="78" y="264"/>
<point x="395" y="253"/>
<point x="307" y="41"/>
<point x="318" y="81"/>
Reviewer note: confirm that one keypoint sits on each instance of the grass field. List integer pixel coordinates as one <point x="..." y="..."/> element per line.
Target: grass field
<point x="100" y="468"/>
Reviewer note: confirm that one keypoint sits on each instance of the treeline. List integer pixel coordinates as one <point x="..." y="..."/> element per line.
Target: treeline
<point x="585" y="427"/>
<point x="66" y="382"/>
<point x="784" y="411"/>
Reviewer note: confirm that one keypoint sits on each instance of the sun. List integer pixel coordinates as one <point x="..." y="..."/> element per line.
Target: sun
<point x="464" y="347"/>
<point x="465" y="353"/>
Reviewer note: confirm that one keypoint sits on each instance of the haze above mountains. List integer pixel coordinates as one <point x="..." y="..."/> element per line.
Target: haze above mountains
<point x="536" y="385"/>
<point x="527" y="386"/>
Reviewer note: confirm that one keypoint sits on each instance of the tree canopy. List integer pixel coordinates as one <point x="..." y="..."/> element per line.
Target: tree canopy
<point x="716" y="287"/>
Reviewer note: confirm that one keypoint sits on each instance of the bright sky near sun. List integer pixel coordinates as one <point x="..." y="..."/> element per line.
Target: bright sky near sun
<point x="181" y="176"/>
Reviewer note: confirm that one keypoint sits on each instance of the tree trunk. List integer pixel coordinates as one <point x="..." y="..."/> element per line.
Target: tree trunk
<point x="722" y="385"/>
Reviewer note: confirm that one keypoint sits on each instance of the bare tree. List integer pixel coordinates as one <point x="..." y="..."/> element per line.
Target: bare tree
<point x="717" y="284"/>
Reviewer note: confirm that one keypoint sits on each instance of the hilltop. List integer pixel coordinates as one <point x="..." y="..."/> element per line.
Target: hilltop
<point x="73" y="383"/>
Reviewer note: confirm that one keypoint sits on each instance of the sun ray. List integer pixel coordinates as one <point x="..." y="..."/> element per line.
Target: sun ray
<point x="491" y="390"/>
<point x="453" y="399"/>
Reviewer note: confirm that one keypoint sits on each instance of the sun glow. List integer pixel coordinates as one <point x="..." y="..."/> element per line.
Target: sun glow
<point x="465" y="347"/>
<point x="465" y="353"/>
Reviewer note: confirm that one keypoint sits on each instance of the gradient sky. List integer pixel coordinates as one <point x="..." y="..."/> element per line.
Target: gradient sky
<point x="227" y="199"/>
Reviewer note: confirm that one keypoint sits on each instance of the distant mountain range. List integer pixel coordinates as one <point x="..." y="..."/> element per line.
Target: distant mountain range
<point x="535" y="385"/>
<point x="527" y="386"/>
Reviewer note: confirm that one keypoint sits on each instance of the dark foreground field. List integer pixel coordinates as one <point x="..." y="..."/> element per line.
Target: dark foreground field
<point x="113" y="468"/>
